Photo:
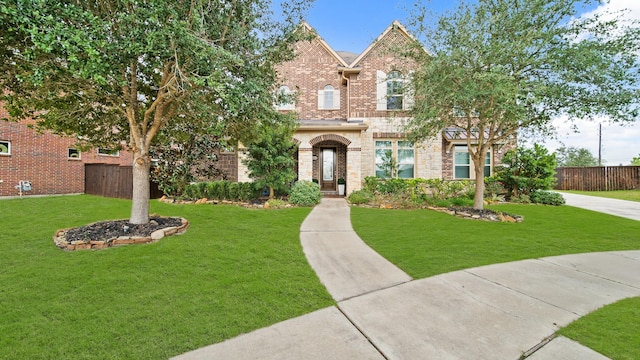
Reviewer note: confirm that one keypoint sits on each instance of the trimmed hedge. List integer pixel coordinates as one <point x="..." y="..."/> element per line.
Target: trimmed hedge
<point x="223" y="190"/>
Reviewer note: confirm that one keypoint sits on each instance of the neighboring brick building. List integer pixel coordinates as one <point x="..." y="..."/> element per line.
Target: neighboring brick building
<point x="350" y="113"/>
<point x="49" y="162"/>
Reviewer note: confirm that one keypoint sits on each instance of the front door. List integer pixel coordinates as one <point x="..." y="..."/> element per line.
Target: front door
<point x="327" y="175"/>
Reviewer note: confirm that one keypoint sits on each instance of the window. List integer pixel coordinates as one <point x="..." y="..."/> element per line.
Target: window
<point x="392" y="92"/>
<point x="394" y="159"/>
<point x="405" y="159"/>
<point x="462" y="164"/>
<point x="5" y="147"/>
<point x="286" y="99"/>
<point x="329" y="98"/>
<point x="384" y="160"/>
<point x="73" y="154"/>
<point x="108" y="152"/>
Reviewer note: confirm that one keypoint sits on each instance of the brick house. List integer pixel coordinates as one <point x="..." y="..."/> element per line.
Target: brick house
<point x="49" y="162"/>
<point x="350" y="111"/>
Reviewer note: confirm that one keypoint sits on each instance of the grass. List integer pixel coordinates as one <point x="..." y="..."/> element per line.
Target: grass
<point x="631" y="195"/>
<point x="235" y="270"/>
<point x="426" y="243"/>
<point x="612" y="330"/>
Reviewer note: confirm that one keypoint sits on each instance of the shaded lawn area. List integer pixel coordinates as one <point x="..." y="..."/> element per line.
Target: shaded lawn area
<point x="612" y="330"/>
<point x="631" y="195"/>
<point x="233" y="271"/>
<point x="424" y="243"/>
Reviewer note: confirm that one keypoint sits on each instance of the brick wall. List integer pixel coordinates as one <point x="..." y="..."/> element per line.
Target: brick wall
<point x="43" y="159"/>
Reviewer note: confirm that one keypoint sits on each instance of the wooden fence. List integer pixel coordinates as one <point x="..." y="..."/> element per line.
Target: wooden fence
<point x="111" y="180"/>
<point x="601" y="178"/>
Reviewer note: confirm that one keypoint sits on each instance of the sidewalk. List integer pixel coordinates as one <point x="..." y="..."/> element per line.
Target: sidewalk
<point x="498" y="311"/>
<point x="623" y="208"/>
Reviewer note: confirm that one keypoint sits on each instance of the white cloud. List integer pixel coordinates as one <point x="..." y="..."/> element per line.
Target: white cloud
<point x="619" y="143"/>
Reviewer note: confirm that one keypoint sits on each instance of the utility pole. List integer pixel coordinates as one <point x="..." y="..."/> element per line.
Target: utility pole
<point x="600" y="145"/>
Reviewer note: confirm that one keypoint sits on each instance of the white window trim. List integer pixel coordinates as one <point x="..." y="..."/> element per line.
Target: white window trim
<point x="69" y="157"/>
<point x="8" y="145"/>
<point x="472" y="173"/>
<point x="382" y="78"/>
<point x="116" y="154"/>
<point x="395" y="147"/>
<point x="336" y="99"/>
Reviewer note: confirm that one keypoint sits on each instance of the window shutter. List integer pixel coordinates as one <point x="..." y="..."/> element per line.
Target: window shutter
<point x="336" y="99"/>
<point x="320" y="99"/>
<point x="381" y="90"/>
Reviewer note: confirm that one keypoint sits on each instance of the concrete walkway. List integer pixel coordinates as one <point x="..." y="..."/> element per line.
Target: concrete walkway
<point x="623" y="208"/>
<point x="501" y="311"/>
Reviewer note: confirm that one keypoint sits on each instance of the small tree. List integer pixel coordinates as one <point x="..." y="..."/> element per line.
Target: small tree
<point x="527" y="169"/>
<point x="271" y="160"/>
<point x="636" y="161"/>
<point x="575" y="157"/>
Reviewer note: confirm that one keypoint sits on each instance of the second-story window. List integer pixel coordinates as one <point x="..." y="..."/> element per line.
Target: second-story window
<point x="395" y="91"/>
<point x="285" y="99"/>
<point x="329" y="98"/>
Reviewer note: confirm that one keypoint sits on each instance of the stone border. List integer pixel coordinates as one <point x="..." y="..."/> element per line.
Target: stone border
<point x="463" y="213"/>
<point x="61" y="241"/>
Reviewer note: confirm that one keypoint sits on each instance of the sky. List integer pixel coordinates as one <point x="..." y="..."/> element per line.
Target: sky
<point x="352" y="25"/>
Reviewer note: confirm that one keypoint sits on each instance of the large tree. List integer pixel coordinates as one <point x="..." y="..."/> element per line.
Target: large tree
<point x="112" y="71"/>
<point x="496" y="67"/>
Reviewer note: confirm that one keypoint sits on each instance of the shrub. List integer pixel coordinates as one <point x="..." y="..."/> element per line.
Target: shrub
<point x="527" y="170"/>
<point x="462" y="201"/>
<point x="305" y="193"/>
<point x="521" y="199"/>
<point x="222" y="190"/>
<point x="277" y="204"/>
<point x="547" y="198"/>
<point x="360" y="197"/>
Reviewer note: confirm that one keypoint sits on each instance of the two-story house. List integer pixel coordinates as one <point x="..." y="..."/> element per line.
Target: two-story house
<point x="350" y="109"/>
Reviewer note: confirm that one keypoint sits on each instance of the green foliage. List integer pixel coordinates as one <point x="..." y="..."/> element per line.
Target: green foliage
<point x="359" y="197"/>
<point x="575" y="157"/>
<point x="222" y="190"/>
<point x="228" y="253"/>
<point x="113" y="71"/>
<point x="546" y="198"/>
<point x="305" y="193"/>
<point x="277" y="204"/>
<point x="526" y="170"/>
<point x="494" y="69"/>
<point x="635" y="161"/>
<point x="271" y="160"/>
<point x="412" y="193"/>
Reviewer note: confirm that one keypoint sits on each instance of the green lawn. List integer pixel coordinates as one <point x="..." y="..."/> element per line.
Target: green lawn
<point x="426" y="243"/>
<point x="613" y="330"/>
<point x="631" y="195"/>
<point x="233" y="271"/>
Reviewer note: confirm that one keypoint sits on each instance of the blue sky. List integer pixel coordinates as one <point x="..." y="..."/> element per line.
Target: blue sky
<point x="352" y="25"/>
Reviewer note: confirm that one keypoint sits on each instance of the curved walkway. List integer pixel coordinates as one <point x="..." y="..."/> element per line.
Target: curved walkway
<point x="501" y="311"/>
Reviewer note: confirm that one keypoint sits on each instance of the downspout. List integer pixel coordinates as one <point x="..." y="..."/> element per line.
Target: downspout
<point x="346" y="79"/>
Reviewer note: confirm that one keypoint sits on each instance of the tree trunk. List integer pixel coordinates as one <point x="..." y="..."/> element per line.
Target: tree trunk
<point x="271" y="192"/>
<point x="478" y="199"/>
<point x="141" y="195"/>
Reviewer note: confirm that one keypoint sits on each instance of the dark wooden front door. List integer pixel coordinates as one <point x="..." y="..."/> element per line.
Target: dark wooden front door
<point x="328" y="169"/>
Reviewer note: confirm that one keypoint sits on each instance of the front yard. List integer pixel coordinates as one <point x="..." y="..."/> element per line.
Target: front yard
<point x="233" y="271"/>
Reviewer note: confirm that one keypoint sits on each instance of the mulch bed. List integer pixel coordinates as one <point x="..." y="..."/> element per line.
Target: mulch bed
<point x="105" y="234"/>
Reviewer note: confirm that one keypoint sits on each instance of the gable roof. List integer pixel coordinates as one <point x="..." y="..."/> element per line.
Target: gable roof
<point x="307" y="27"/>
<point x="395" y="25"/>
<point x="348" y="59"/>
